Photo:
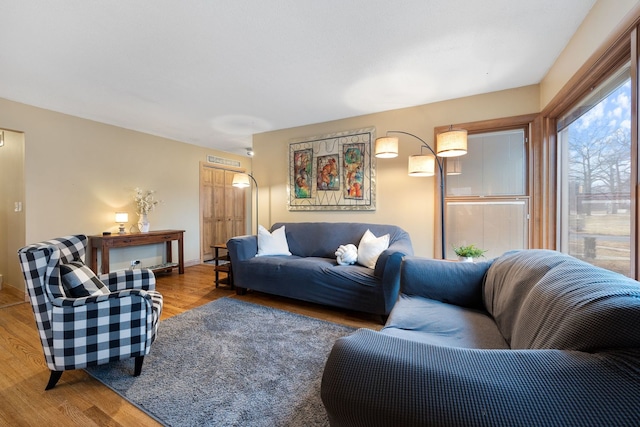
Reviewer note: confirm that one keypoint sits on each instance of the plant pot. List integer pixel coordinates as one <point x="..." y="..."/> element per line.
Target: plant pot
<point x="465" y="259"/>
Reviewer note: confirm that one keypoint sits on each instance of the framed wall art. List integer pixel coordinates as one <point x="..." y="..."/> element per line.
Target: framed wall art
<point x="332" y="172"/>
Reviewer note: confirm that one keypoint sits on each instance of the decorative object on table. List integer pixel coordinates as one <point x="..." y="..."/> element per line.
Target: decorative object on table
<point x="242" y="180"/>
<point x="231" y="363"/>
<point x="332" y="172"/>
<point x="122" y="218"/>
<point x="451" y="143"/>
<point x="145" y="203"/>
<point x="469" y="252"/>
<point x="143" y="223"/>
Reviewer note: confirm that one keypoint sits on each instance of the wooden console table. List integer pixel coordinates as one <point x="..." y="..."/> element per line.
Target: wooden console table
<point x="104" y="243"/>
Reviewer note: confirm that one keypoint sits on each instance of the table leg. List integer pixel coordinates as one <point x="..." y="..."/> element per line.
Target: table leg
<point x="169" y="251"/>
<point x="94" y="260"/>
<point x="180" y="255"/>
<point x="105" y="260"/>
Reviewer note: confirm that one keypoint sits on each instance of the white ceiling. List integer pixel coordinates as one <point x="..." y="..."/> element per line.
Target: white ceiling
<point x="213" y="72"/>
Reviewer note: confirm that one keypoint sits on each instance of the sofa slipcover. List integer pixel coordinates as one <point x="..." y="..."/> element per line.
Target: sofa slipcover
<point x="533" y="337"/>
<point x="312" y="273"/>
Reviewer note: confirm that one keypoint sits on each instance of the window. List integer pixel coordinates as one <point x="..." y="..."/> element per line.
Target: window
<point x="594" y="170"/>
<point x="487" y="200"/>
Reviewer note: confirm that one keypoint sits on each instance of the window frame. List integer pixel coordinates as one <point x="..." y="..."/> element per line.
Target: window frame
<point x="619" y="48"/>
<point x="525" y="122"/>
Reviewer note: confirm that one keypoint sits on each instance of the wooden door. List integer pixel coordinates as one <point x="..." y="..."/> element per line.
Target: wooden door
<point x="234" y="208"/>
<point x="222" y="208"/>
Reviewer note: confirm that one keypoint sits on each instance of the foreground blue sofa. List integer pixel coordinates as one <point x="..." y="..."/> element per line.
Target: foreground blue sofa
<point x="312" y="274"/>
<point x="532" y="338"/>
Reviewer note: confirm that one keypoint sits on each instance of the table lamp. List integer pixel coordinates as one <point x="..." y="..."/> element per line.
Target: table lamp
<point x="122" y="218"/>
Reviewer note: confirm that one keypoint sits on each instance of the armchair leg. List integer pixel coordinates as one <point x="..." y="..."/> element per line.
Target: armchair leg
<point x="53" y="379"/>
<point x="138" y="368"/>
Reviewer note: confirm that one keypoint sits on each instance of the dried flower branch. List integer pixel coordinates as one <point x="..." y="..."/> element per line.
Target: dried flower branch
<point x="145" y="202"/>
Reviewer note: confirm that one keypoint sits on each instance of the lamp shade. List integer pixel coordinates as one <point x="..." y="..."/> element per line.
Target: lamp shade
<point x="452" y="143"/>
<point x="454" y="167"/>
<point x="122" y="217"/>
<point x="422" y="165"/>
<point x="241" y="180"/>
<point x="386" y="147"/>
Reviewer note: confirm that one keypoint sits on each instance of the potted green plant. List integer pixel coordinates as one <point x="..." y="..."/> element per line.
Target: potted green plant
<point x="469" y="252"/>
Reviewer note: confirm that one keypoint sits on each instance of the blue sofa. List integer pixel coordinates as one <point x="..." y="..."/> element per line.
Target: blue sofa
<point x="312" y="274"/>
<point x="532" y="338"/>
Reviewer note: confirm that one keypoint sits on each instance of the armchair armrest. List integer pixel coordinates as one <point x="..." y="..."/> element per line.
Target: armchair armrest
<point x="372" y="379"/>
<point x="78" y="302"/>
<point x="458" y="283"/>
<point x="129" y="279"/>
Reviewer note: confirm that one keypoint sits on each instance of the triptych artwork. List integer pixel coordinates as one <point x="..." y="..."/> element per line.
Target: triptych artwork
<point x="332" y="172"/>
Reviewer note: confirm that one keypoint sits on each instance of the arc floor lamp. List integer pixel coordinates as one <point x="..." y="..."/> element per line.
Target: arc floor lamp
<point x="243" y="180"/>
<point x="451" y="143"/>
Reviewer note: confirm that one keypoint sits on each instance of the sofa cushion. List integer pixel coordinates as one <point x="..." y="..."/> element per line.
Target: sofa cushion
<point x="370" y="248"/>
<point x="543" y="299"/>
<point x="301" y="271"/>
<point x="437" y="323"/>
<point x="458" y="283"/>
<point x="272" y="243"/>
<point x="79" y="281"/>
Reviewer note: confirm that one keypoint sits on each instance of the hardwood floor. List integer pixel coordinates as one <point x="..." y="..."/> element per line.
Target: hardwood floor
<point x="10" y="296"/>
<point x="80" y="400"/>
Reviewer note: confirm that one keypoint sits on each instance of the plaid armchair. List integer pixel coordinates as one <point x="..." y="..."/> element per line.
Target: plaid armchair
<point x="77" y="332"/>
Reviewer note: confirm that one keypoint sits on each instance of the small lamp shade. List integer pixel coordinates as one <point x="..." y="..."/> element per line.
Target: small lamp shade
<point x="454" y="167"/>
<point x="241" y="180"/>
<point x="121" y="218"/>
<point x="386" y="147"/>
<point x="452" y="143"/>
<point x="422" y="165"/>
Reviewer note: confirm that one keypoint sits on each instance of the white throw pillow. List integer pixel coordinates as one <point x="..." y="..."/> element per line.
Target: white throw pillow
<point x="370" y="248"/>
<point x="272" y="243"/>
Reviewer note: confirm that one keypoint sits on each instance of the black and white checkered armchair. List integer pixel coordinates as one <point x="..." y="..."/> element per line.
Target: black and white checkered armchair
<point x="84" y="320"/>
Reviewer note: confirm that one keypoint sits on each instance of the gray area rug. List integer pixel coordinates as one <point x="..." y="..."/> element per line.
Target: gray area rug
<point x="231" y="363"/>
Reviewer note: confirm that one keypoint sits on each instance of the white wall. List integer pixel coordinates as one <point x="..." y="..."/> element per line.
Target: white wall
<point x="78" y="173"/>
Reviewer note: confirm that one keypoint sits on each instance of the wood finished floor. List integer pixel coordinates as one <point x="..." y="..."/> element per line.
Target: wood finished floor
<point x="10" y="296"/>
<point x="80" y="400"/>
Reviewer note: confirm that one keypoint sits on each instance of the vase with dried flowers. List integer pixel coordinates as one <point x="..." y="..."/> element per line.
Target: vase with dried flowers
<point x="145" y="203"/>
